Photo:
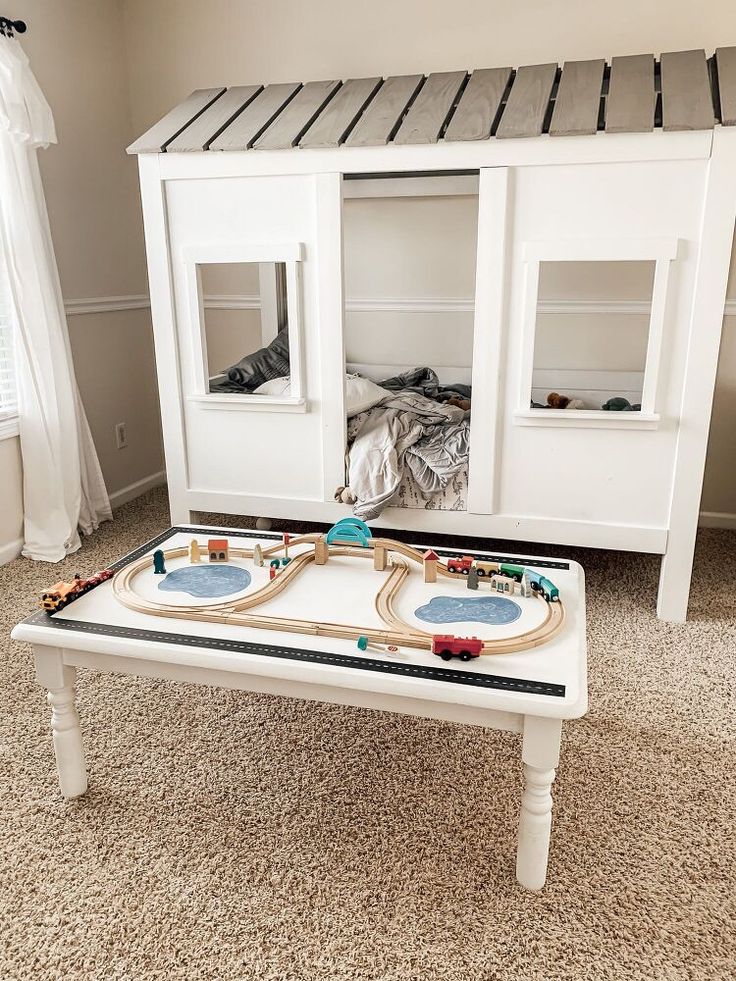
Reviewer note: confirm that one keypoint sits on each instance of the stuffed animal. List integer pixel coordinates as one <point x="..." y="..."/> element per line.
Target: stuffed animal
<point x="557" y="401"/>
<point x="461" y="403"/>
<point x="619" y="404"/>
<point x="343" y="495"/>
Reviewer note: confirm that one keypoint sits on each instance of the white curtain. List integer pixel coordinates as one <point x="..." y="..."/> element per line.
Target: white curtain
<point x="62" y="481"/>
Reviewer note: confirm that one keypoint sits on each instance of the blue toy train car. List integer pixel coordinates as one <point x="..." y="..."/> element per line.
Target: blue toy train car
<point x="540" y="584"/>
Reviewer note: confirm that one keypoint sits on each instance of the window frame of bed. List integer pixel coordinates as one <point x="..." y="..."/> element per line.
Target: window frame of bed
<point x="662" y="252"/>
<point x="291" y="255"/>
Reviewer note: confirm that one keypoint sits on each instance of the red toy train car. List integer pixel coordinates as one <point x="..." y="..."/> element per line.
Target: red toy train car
<point x="461" y="565"/>
<point x="62" y="593"/>
<point x="447" y="647"/>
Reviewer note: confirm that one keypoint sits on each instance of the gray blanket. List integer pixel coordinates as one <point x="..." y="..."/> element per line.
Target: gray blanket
<point x="404" y="431"/>
<point x="254" y="369"/>
<point x="425" y="381"/>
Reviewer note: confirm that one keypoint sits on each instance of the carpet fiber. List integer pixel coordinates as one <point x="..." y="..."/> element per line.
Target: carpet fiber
<point x="235" y="836"/>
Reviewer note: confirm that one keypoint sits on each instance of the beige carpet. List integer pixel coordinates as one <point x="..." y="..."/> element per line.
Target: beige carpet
<point x="236" y="836"/>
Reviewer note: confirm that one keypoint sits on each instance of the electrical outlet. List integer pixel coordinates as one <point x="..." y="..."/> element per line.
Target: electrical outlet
<point x="121" y="435"/>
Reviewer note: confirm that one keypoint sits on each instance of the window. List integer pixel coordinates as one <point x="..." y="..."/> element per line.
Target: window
<point x="591" y="334"/>
<point x="245" y="327"/>
<point x="245" y="303"/>
<point x="8" y="398"/>
<point x="593" y="323"/>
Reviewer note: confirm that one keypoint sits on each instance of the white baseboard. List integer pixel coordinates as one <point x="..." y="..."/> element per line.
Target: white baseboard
<point x="717" y="519"/>
<point x="10" y="551"/>
<point x="134" y="490"/>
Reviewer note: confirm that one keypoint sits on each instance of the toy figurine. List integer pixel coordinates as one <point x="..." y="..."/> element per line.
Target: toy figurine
<point x="473" y="577"/>
<point x="195" y="553"/>
<point x="159" y="569"/>
<point x="257" y="555"/>
<point x="364" y="645"/>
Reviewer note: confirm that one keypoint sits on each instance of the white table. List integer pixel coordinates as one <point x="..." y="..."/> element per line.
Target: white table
<point x="530" y="692"/>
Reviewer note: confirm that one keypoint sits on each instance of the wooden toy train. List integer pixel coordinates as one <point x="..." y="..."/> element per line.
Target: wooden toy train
<point x="448" y="646"/>
<point x="62" y="593"/>
<point x="538" y="582"/>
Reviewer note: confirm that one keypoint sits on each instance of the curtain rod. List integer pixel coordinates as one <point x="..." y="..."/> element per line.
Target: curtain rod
<point x="8" y="27"/>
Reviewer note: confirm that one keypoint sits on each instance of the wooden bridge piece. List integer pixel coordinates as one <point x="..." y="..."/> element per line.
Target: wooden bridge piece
<point x="288" y="127"/>
<point x="479" y="104"/>
<point x="687" y="102"/>
<point x="337" y="118"/>
<point x="527" y="102"/>
<point x="578" y="99"/>
<point x="726" y="62"/>
<point x="208" y="124"/>
<point x="425" y="119"/>
<point x="379" y="121"/>
<point x="258" y="114"/>
<point x="165" y="130"/>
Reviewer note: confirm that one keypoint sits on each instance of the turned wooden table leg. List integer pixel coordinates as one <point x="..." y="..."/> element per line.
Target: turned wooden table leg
<point x="59" y="679"/>
<point x="540" y="755"/>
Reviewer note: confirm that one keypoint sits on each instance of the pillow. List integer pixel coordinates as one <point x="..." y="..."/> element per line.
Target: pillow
<point x="361" y="394"/>
<point x="277" y="386"/>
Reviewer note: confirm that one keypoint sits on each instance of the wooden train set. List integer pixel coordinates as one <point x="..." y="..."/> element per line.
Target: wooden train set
<point x="349" y="537"/>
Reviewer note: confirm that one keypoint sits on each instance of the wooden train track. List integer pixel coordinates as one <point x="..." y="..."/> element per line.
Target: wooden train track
<point x="397" y="632"/>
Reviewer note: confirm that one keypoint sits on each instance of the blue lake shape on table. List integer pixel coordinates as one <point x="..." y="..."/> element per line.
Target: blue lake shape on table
<point x="206" y="580"/>
<point x="494" y="610"/>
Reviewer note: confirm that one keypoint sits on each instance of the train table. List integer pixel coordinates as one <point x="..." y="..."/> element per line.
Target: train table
<point x="345" y="617"/>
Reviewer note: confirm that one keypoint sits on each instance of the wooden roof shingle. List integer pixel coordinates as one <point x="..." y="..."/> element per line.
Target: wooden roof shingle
<point x="579" y="99"/>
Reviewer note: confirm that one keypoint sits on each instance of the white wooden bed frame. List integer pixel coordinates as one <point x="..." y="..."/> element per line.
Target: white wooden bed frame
<point x="645" y="171"/>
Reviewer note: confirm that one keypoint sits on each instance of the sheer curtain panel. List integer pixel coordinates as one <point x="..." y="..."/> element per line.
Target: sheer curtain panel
<point x="62" y="481"/>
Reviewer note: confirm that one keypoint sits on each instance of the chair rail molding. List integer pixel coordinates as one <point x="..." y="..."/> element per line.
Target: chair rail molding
<point x="374" y="304"/>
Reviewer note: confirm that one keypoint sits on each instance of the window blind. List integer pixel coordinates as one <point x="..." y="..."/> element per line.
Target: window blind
<point x="8" y="397"/>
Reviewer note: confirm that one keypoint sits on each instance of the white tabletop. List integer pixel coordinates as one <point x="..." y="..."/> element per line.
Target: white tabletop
<point x="549" y="680"/>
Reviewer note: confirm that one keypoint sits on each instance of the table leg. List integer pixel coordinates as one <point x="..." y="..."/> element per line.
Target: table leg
<point x="540" y="755"/>
<point x="59" y="679"/>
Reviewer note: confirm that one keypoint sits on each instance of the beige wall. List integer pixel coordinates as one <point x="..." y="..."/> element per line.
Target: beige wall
<point x="77" y="52"/>
<point x="11" y="493"/>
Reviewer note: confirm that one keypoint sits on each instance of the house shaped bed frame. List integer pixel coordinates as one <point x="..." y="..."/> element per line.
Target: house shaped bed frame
<point x="628" y="161"/>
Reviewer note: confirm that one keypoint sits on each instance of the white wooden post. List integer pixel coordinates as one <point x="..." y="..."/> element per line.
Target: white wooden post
<point x="330" y="327"/>
<point x="540" y="755"/>
<point x="709" y="297"/>
<point x="59" y="678"/>
<point x="270" y="293"/>
<point x="163" y="316"/>
<point x="488" y="325"/>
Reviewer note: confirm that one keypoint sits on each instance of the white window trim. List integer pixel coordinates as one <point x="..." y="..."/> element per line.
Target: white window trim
<point x="661" y="251"/>
<point x="291" y="255"/>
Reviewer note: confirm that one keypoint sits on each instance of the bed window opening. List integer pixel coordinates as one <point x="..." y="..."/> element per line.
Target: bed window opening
<point x="591" y="335"/>
<point x="409" y="246"/>
<point x="245" y="328"/>
<point x="594" y="321"/>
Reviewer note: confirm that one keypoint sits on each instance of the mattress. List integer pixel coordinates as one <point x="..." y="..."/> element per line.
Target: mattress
<point x="452" y="498"/>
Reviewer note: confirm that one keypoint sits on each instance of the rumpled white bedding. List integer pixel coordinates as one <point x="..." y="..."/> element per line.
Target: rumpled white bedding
<point x="405" y="433"/>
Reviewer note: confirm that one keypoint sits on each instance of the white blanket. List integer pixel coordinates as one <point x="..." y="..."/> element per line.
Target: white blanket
<point x="405" y="431"/>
